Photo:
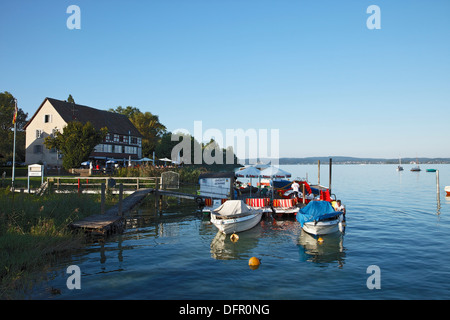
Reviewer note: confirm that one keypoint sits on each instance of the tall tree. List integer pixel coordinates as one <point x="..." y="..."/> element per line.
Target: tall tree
<point x="128" y="111"/>
<point x="76" y="142"/>
<point x="148" y="125"/>
<point x="7" y="108"/>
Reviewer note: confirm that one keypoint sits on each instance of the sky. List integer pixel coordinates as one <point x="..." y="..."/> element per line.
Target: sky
<point x="312" y="70"/>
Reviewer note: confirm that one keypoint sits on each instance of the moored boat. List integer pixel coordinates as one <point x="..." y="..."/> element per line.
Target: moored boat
<point x="285" y="206"/>
<point x="399" y="168"/>
<point x="447" y="191"/>
<point x="416" y="168"/>
<point x="235" y="216"/>
<point x="319" y="217"/>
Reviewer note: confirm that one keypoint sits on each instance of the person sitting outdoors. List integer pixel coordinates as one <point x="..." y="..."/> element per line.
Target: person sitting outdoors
<point x="340" y="207"/>
<point x="264" y="191"/>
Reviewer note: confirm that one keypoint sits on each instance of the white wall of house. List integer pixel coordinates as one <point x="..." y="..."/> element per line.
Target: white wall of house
<point x="46" y="121"/>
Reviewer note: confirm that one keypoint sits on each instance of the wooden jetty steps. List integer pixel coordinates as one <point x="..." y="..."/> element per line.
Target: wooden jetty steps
<point x="112" y="220"/>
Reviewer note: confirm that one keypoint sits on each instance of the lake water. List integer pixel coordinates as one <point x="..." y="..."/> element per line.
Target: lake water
<point x="393" y="222"/>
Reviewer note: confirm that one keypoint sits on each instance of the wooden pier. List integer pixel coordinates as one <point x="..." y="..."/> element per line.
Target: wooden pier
<point x="112" y="220"/>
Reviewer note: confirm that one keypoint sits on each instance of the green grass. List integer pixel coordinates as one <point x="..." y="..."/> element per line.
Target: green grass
<point x="33" y="233"/>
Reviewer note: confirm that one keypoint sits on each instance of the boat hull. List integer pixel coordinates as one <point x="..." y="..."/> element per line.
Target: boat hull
<point x="324" y="227"/>
<point x="238" y="224"/>
<point x="447" y="191"/>
<point x="286" y="210"/>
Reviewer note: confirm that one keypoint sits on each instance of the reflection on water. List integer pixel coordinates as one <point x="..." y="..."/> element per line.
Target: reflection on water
<point x="328" y="250"/>
<point x="176" y="253"/>
<point x="222" y="248"/>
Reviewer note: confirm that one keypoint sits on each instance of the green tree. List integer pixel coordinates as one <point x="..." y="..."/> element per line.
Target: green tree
<point x="147" y="124"/>
<point x="128" y="111"/>
<point x="152" y="130"/>
<point x="70" y="99"/>
<point x="76" y="142"/>
<point x="7" y="108"/>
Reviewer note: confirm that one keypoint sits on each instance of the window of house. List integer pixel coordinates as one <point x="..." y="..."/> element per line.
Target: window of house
<point x="38" y="134"/>
<point x="98" y="148"/>
<point x="47" y="118"/>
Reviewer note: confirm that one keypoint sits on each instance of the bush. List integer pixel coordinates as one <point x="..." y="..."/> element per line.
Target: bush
<point x="188" y="174"/>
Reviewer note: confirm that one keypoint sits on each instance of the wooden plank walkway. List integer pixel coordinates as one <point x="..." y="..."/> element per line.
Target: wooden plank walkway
<point x="111" y="221"/>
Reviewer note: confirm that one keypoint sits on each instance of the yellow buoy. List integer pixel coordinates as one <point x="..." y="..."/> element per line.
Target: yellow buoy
<point x="254" y="263"/>
<point x="320" y="240"/>
<point x="234" y="237"/>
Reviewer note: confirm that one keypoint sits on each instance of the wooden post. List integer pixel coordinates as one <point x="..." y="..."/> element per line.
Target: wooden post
<point x="120" y="198"/>
<point x="303" y="192"/>
<point x="318" y="172"/>
<point x="329" y="187"/>
<point x="102" y="205"/>
<point x="156" y="192"/>
<point x="58" y="183"/>
<point x="137" y="183"/>
<point x="437" y="190"/>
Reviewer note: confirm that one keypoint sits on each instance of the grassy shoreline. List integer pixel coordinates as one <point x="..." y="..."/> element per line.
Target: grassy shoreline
<point x="33" y="232"/>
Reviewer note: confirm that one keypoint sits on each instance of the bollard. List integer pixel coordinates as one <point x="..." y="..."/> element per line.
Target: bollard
<point x="120" y="198"/>
<point x="102" y="203"/>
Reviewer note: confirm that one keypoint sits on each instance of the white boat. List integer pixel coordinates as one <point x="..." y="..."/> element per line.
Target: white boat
<point x="447" y="191"/>
<point x="325" y="227"/>
<point x="285" y="206"/>
<point x="235" y="216"/>
<point x="319" y="217"/>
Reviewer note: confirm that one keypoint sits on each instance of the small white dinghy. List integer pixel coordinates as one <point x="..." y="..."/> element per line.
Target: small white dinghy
<point x="235" y="216"/>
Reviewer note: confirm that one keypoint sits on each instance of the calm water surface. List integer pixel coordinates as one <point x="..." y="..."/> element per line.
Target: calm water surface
<point x="393" y="221"/>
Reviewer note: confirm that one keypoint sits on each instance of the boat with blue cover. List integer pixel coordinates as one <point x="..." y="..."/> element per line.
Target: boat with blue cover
<point x="320" y="217"/>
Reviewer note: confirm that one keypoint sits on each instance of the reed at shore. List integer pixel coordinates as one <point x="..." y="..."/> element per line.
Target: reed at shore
<point x="34" y="233"/>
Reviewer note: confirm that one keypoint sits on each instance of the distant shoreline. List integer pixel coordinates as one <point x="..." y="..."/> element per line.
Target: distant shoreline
<point x="353" y="160"/>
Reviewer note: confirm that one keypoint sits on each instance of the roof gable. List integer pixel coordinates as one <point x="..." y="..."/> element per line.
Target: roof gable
<point x="115" y="122"/>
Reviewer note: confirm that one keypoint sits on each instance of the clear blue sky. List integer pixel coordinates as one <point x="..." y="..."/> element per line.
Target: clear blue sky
<point x="311" y="69"/>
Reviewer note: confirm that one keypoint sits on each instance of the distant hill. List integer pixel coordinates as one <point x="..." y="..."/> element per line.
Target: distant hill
<point x="353" y="160"/>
